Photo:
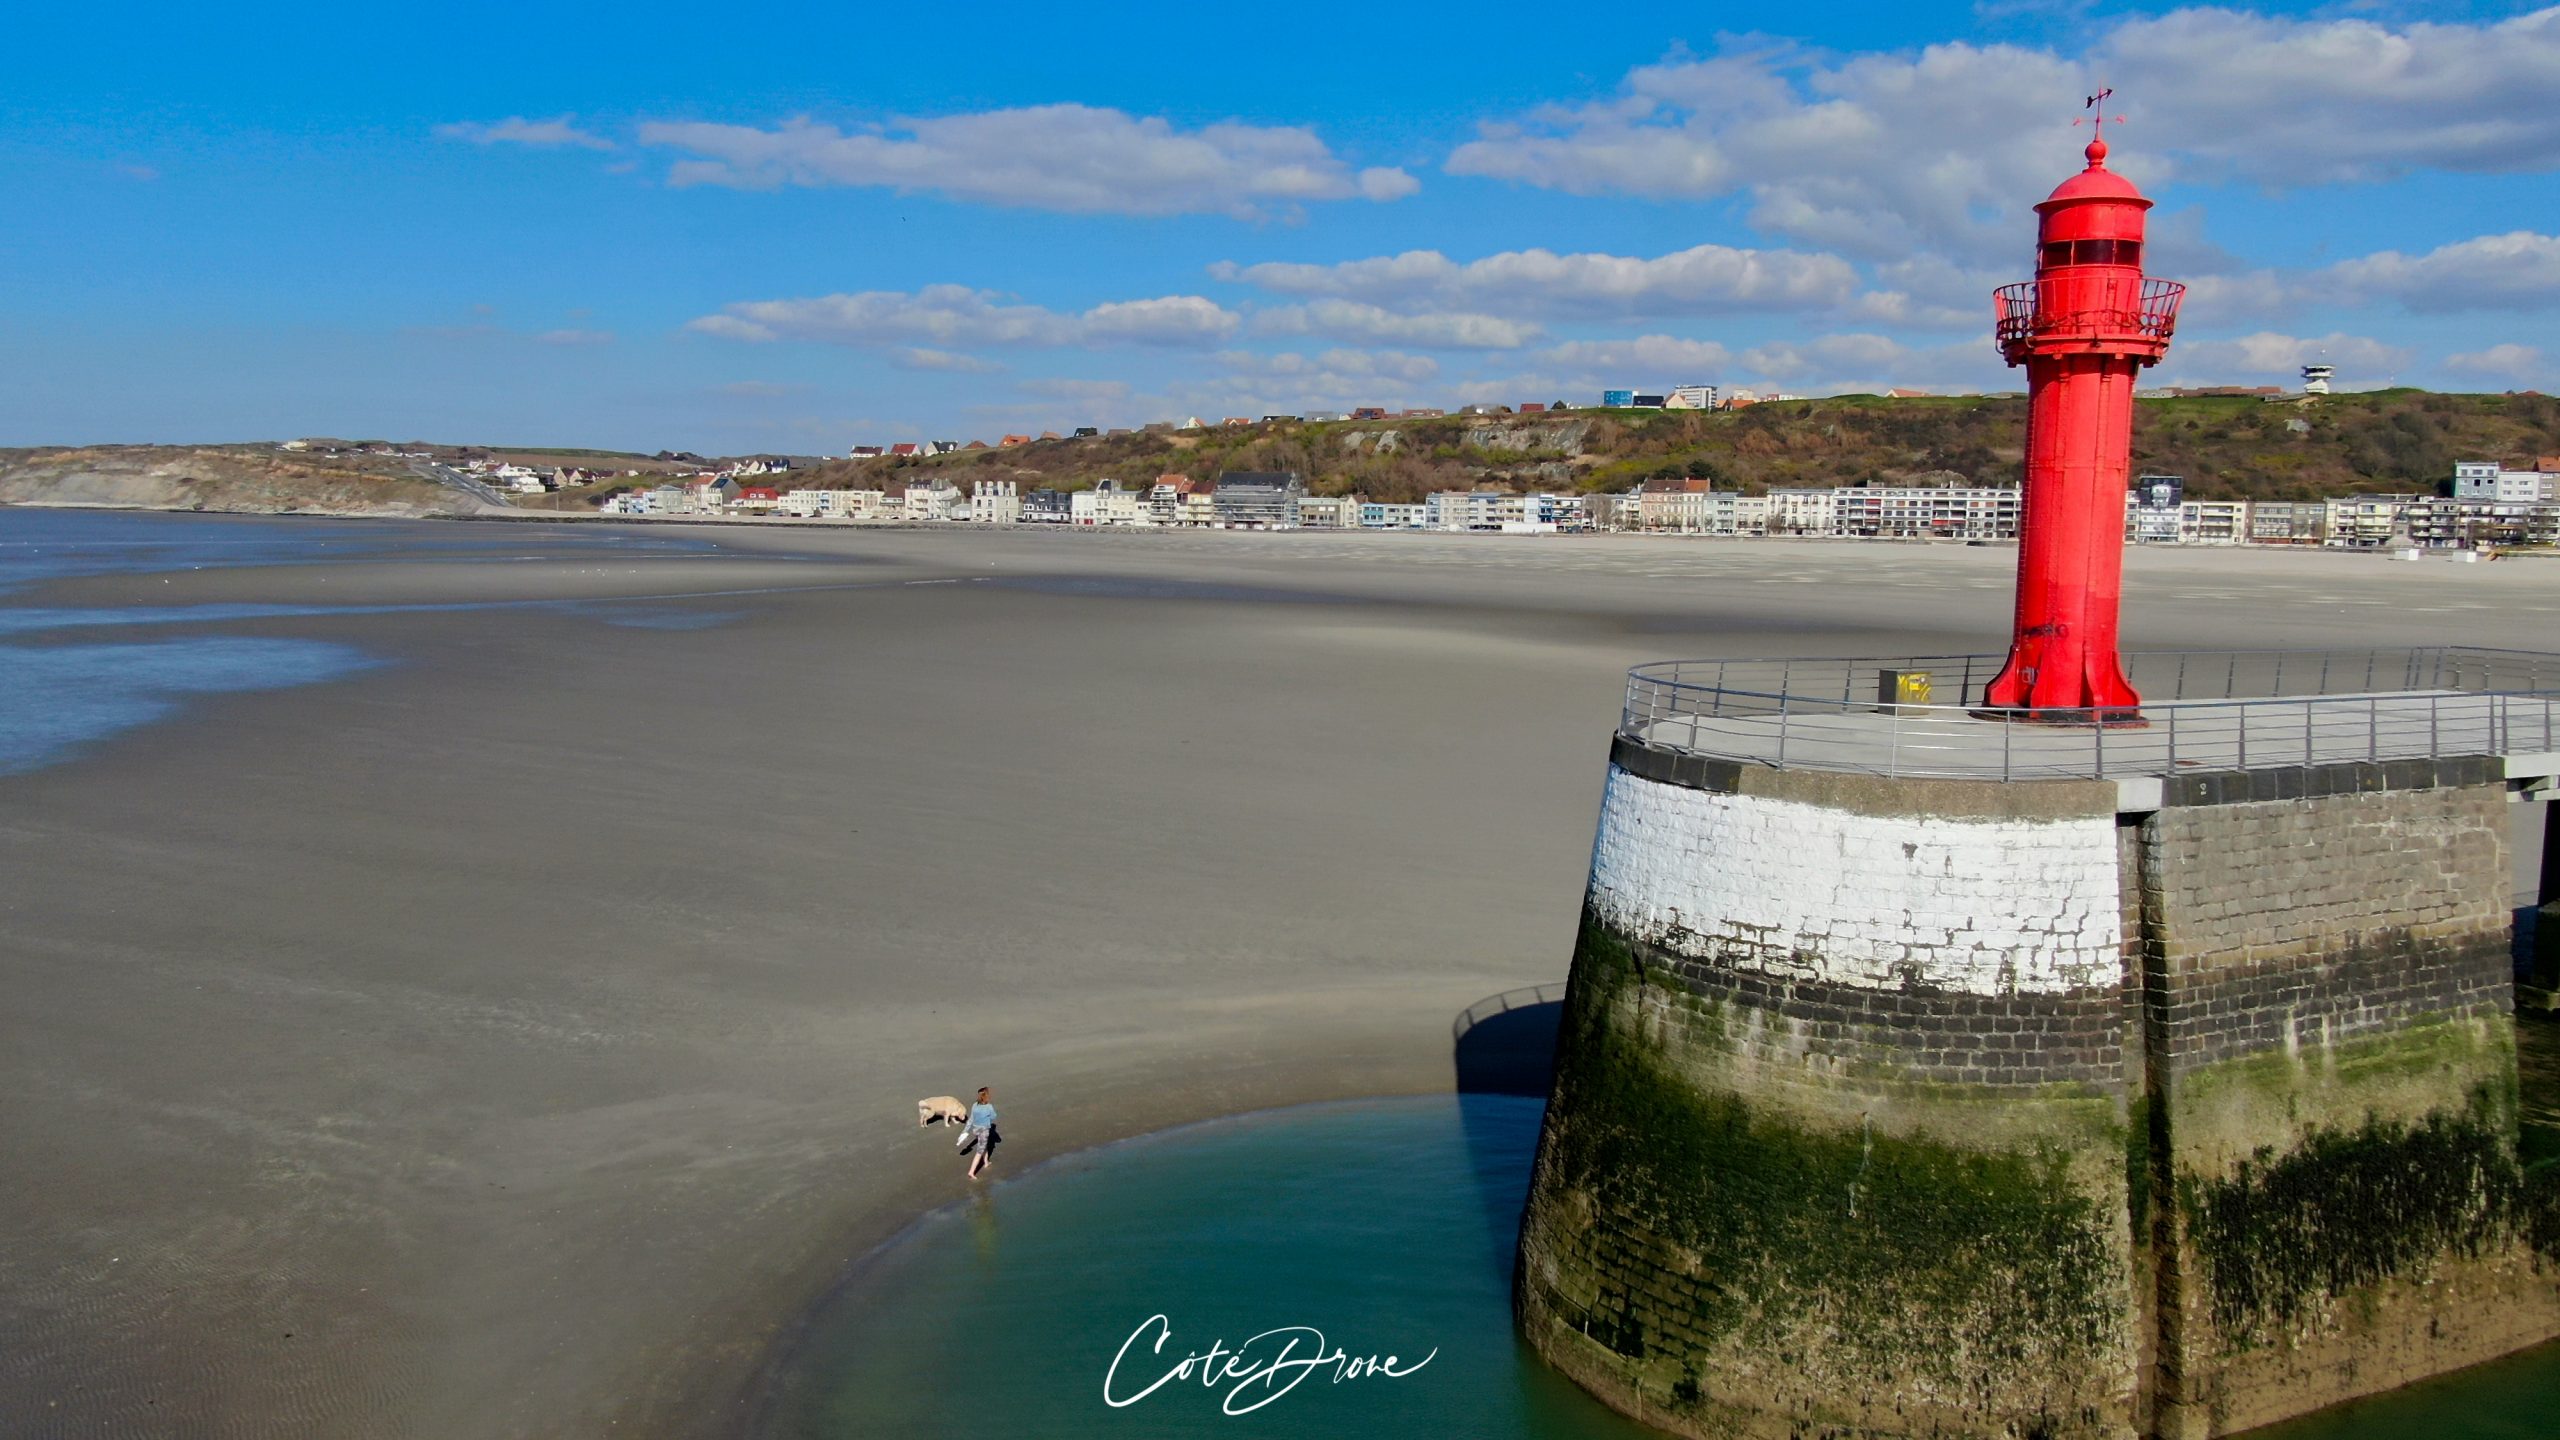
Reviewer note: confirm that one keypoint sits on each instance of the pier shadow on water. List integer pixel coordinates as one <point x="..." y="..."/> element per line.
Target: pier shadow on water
<point x="1504" y="1045"/>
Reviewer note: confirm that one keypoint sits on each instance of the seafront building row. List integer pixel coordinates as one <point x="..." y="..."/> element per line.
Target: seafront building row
<point x="2489" y="507"/>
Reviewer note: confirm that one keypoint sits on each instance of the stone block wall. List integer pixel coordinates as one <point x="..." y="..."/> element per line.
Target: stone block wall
<point x="1964" y="1108"/>
<point x="1839" y="1140"/>
<point x="2330" y="1040"/>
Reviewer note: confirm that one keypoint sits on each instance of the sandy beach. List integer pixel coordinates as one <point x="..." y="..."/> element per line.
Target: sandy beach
<point x="512" y="1039"/>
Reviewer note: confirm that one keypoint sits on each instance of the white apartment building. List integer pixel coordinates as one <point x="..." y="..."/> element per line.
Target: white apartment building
<point x="2288" y="522"/>
<point x="1464" y="509"/>
<point x="1804" y="512"/>
<point x="1329" y="512"/>
<point x="1498" y="510"/>
<point x="2483" y="480"/>
<point x="2467" y="524"/>
<point x="2213" y="522"/>
<point x="938" y="500"/>
<point x="1613" y="511"/>
<point x="1107" y="504"/>
<point x="1690" y="397"/>
<point x="1378" y="515"/>
<point x="1713" y="512"/>
<point x="836" y="504"/>
<point x="1950" y="512"/>
<point x="1696" y="507"/>
<point x="995" y="502"/>
<point x="2364" y="521"/>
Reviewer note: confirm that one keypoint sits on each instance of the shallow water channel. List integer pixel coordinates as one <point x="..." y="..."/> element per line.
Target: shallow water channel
<point x="1385" y="1225"/>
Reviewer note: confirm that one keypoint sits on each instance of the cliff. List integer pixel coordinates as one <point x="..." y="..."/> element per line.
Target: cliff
<point x="251" y="479"/>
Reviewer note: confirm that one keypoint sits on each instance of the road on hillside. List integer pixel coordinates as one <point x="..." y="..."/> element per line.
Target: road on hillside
<point x="453" y="479"/>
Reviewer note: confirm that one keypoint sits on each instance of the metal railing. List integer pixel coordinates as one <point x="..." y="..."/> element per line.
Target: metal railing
<point x="1503" y="1004"/>
<point x="2091" y="304"/>
<point x="2201" y="710"/>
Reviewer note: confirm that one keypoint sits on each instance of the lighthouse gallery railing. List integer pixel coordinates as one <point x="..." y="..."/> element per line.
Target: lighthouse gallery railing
<point x="2097" y="305"/>
<point x="2201" y="711"/>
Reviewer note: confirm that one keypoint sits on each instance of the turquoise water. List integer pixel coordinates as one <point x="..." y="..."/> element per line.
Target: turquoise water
<point x="1387" y="1225"/>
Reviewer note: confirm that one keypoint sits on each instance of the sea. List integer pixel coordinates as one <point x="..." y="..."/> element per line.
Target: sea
<point x="1371" y="1229"/>
<point x="73" y="676"/>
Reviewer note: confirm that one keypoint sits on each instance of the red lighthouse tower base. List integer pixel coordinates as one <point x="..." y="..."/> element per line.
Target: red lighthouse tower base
<point x="2083" y="328"/>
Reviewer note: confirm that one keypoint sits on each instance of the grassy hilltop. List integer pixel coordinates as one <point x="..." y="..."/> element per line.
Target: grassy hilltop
<point x="2228" y="448"/>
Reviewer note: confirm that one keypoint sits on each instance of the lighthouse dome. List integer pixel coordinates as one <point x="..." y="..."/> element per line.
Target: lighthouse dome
<point x="2095" y="183"/>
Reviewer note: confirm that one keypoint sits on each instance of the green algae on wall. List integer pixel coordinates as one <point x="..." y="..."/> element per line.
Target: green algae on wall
<point x="2351" y="1208"/>
<point x="1963" y="1271"/>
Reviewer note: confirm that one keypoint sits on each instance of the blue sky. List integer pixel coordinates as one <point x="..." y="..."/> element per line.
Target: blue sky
<point x="672" y="227"/>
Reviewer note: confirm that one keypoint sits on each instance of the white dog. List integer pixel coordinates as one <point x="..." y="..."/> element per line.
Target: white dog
<point x="945" y="1108"/>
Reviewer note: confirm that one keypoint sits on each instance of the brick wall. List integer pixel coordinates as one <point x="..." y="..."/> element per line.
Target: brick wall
<point x="2329" y="1044"/>
<point x="1833" y="1040"/>
<point x="1760" y="884"/>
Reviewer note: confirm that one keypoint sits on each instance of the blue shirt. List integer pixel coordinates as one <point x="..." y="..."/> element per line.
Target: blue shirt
<point x="982" y="1116"/>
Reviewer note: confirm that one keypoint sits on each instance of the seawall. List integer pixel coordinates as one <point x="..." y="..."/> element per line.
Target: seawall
<point x="1973" y="1108"/>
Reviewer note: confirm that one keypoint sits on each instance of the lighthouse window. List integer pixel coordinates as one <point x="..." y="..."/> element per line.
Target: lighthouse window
<point x="2092" y="252"/>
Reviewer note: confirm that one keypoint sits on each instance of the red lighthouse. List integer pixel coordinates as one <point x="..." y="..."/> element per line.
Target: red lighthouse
<point x="2083" y="328"/>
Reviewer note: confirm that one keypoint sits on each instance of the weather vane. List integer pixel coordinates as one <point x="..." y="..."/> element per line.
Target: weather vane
<point x="2096" y="117"/>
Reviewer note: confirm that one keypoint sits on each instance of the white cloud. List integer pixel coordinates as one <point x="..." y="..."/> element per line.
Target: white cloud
<point x="939" y="317"/>
<point x="1866" y="363"/>
<point x="1945" y="147"/>
<point x="1293" y="383"/>
<point x="2242" y="295"/>
<point x="1701" y="279"/>
<point x="2493" y="272"/>
<point x="1657" y="357"/>
<point x="922" y="357"/>
<point x="2362" y="361"/>
<point x="1827" y="354"/>
<point x="517" y="130"/>
<point x="1046" y="157"/>
<point x="2518" y="364"/>
<point x="1931" y="292"/>
<point x="1371" y="324"/>
<point x="1170" y="320"/>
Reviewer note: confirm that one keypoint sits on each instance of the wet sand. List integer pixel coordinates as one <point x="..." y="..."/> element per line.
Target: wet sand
<point x="514" y="1038"/>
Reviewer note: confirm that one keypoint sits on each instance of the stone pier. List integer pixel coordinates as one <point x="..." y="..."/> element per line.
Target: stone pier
<point x="1952" y="1107"/>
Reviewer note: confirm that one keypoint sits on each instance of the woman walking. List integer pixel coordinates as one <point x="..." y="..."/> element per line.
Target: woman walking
<point x="980" y="1140"/>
